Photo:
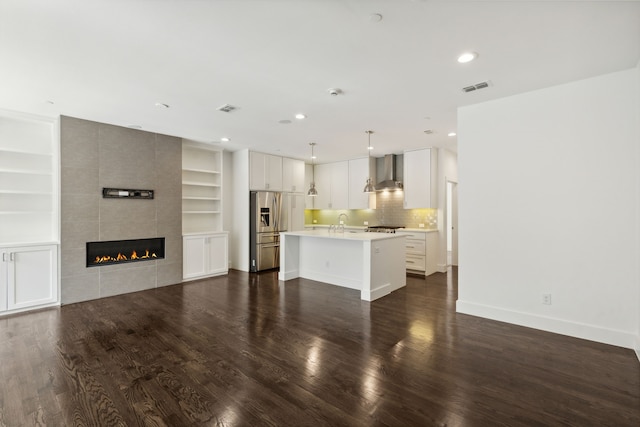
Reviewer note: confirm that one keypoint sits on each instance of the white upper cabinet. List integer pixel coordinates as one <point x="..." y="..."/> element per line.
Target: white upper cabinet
<point x="420" y="179"/>
<point x="359" y="171"/>
<point x="292" y="175"/>
<point x="332" y="183"/>
<point x="265" y="172"/>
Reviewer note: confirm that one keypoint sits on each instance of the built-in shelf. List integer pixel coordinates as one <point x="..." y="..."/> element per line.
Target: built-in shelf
<point x="28" y="179"/>
<point x="201" y="188"/>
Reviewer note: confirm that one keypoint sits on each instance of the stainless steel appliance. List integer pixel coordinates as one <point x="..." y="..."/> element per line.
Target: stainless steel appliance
<point x="383" y="228"/>
<point x="268" y="218"/>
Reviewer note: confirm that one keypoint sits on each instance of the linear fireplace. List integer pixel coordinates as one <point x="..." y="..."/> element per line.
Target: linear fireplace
<point x="123" y="251"/>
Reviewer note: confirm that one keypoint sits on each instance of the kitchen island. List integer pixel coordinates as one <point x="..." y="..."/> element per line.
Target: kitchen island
<point x="373" y="263"/>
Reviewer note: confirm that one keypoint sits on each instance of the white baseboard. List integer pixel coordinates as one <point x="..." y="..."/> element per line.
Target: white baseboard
<point x="549" y="324"/>
<point x="637" y="347"/>
<point x="442" y="268"/>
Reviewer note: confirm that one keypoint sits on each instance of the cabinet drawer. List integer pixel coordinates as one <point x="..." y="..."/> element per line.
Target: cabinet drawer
<point x="415" y="246"/>
<point x="415" y="262"/>
<point x="411" y="235"/>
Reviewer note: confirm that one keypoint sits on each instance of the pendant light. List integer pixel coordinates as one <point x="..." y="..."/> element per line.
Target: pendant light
<point x="312" y="188"/>
<point x="369" y="187"/>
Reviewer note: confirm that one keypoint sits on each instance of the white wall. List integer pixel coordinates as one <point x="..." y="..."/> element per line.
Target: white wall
<point x="548" y="202"/>
<point x="637" y="344"/>
<point x="239" y="235"/>
<point x="447" y="171"/>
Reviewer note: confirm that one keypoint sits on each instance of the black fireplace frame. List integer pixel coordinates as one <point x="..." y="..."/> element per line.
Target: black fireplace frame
<point x="112" y="248"/>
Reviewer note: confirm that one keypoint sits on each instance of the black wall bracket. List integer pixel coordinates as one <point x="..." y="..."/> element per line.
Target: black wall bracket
<point x="119" y="193"/>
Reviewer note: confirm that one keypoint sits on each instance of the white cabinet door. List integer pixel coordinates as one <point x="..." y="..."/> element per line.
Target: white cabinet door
<point x="265" y="172"/>
<point x="332" y="183"/>
<point x="340" y="185"/>
<point x="205" y="255"/>
<point x="4" y="261"/>
<point x="194" y="261"/>
<point x="323" y="185"/>
<point x="293" y="175"/>
<point x="273" y="173"/>
<point x="359" y="171"/>
<point x="295" y="211"/>
<point x="419" y="179"/>
<point x="218" y="254"/>
<point x="32" y="276"/>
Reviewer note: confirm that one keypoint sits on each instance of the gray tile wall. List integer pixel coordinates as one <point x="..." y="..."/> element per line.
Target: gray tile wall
<point x="96" y="155"/>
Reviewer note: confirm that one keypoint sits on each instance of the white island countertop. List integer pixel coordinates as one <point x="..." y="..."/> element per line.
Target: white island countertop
<point x="373" y="263"/>
<point x="350" y="235"/>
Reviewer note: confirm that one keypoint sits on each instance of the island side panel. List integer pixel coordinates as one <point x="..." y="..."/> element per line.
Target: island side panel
<point x="385" y="270"/>
<point x="289" y="257"/>
<point x="334" y="261"/>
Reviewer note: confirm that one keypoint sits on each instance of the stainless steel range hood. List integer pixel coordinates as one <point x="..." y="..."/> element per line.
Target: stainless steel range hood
<point x="390" y="181"/>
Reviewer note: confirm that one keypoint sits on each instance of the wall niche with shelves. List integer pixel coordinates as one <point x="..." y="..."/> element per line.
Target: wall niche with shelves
<point x="201" y="188"/>
<point x="28" y="179"/>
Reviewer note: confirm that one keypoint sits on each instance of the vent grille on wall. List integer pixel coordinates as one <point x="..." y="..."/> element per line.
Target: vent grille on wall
<point x="477" y="86"/>
<point x="226" y="108"/>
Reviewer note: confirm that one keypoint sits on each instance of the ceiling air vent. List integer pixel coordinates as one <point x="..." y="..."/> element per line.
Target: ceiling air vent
<point x="477" y="86"/>
<point x="227" y="108"/>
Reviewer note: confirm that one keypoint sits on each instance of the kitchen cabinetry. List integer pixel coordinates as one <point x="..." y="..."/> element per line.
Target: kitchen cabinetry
<point x="28" y="277"/>
<point x="293" y="175"/>
<point x="28" y="179"/>
<point x="201" y="188"/>
<point x="265" y="172"/>
<point x="420" y="178"/>
<point x="294" y="205"/>
<point x="332" y="182"/>
<point x="420" y="249"/>
<point x="205" y="255"/>
<point x="359" y="171"/>
<point x="309" y="201"/>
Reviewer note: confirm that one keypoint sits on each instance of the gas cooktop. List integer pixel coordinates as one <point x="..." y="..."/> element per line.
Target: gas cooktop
<point x="383" y="228"/>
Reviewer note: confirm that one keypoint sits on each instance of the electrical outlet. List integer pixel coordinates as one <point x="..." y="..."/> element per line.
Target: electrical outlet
<point x="421" y="225"/>
<point x="315" y="221"/>
<point x="366" y="223"/>
<point x="341" y="222"/>
<point x="546" y="299"/>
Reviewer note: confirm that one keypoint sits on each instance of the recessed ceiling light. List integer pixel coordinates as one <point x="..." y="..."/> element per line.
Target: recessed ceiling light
<point x="467" y="57"/>
<point x="48" y="101"/>
<point x="225" y="139"/>
<point x="161" y="105"/>
<point x="284" y="122"/>
<point x="375" y="17"/>
<point x="451" y="134"/>
<point x="300" y="116"/>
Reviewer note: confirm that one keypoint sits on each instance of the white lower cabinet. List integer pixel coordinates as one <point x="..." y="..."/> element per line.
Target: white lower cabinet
<point x="28" y="277"/>
<point x="205" y="255"/>
<point x="421" y="247"/>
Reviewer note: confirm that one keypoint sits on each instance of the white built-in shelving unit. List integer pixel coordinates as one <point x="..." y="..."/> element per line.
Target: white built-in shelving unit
<point x="205" y="244"/>
<point x="29" y="164"/>
<point x="29" y="212"/>
<point x="201" y="188"/>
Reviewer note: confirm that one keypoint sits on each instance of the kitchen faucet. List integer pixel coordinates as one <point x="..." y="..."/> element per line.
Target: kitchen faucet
<point x="341" y="225"/>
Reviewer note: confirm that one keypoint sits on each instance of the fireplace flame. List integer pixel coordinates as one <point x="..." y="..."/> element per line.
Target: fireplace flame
<point x="121" y="257"/>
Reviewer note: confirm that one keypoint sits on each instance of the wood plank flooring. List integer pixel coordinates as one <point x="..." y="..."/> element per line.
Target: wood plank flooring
<point x="245" y="350"/>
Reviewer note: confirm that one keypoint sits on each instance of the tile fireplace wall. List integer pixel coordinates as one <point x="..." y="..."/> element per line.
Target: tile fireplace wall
<point x="96" y="155"/>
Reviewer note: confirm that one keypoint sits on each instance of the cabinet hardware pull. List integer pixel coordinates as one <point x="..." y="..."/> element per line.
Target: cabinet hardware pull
<point x="410" y="262"/>
<point x="4" y="257"/>
<point x="12" y="256"/>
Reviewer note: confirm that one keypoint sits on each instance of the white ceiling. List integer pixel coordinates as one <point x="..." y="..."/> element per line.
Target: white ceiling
<point x="113" y="60"/>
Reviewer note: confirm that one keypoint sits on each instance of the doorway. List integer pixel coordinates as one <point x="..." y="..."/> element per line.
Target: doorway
<point x="452" y="223"/>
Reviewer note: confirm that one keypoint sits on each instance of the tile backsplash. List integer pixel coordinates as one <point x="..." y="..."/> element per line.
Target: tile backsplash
<point x="389" y="211"/>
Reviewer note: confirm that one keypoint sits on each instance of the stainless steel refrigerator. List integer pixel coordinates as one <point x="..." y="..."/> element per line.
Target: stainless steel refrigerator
<point x="268" y="218"/>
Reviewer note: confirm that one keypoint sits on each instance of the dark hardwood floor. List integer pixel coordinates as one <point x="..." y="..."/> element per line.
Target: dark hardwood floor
<point x="245" y="350"/>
